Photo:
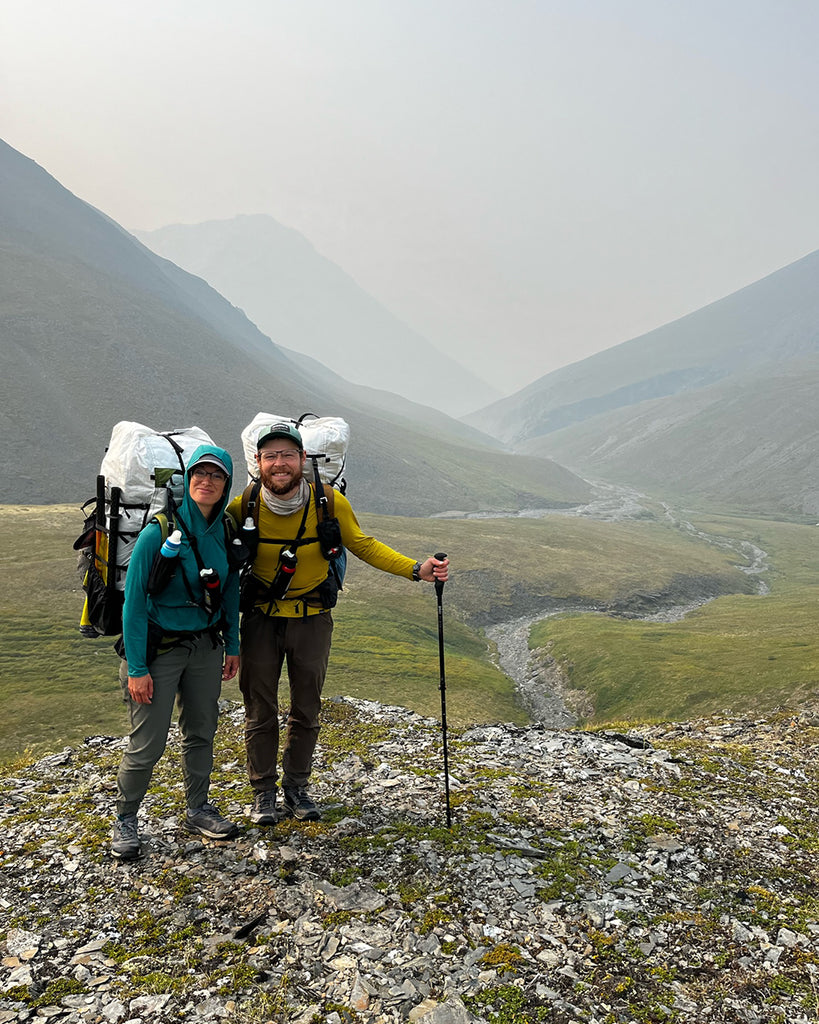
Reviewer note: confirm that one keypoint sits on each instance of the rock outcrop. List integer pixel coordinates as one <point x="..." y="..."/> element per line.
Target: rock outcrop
<point x="661" y="873"/>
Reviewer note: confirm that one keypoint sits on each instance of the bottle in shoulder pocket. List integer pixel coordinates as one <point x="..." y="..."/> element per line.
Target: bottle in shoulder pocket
<point x="211" y="590"/>
<point x="164" y="564"/>
<point x="250" y="537"/>
<point x="284" y="574"/>
<point x="171" y="545"/>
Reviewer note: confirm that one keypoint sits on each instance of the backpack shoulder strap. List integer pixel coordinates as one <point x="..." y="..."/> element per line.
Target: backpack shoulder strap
<point x="250" y="501"/>
<point x="191" y="540"/>
<point x="324" y="494"/>
<point x="230" y="527"/>
<point x="165" y="526"/>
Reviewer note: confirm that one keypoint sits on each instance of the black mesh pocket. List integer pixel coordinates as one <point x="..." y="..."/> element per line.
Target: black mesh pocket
<point x="249" y="591"/>
<point x="329" y="537"/>
<point x="104" y="606"/>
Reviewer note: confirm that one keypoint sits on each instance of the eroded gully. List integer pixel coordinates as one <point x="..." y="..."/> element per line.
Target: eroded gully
<point x="539" y="683"/>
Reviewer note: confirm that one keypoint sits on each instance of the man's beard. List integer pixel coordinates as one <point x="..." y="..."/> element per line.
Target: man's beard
<point x="278" y="486"/>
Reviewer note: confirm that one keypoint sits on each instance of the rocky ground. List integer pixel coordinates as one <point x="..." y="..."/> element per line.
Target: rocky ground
<point x="663" y="873"/>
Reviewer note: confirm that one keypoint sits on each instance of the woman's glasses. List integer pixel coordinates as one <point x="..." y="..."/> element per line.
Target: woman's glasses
<point x="216" y="475"/>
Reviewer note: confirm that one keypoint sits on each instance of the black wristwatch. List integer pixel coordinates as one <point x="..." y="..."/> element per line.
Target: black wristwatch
<point x="416" y="572"/>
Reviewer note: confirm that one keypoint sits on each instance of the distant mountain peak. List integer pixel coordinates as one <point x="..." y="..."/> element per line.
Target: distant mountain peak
<point x="308" y="303"/>
<point x="97" y="328"/>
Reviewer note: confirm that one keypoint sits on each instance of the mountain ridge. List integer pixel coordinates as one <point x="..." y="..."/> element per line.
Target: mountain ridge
<point x="99" y="329"/>
<point x="307" y="303"/>
<point x="772" y="300"/>
<point x="680" y="410"/>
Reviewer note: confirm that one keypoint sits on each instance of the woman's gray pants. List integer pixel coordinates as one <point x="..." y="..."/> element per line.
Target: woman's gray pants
<point x="192" y="674"/>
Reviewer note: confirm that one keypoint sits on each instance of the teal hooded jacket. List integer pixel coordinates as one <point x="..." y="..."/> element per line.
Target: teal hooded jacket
<point x="173" y="610"/>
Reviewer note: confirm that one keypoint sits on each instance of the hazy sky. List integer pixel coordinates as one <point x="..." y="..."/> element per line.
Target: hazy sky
<point x="524" y="182"/>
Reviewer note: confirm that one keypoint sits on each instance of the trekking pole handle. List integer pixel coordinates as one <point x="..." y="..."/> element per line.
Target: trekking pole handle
<point x="439" y="585"/>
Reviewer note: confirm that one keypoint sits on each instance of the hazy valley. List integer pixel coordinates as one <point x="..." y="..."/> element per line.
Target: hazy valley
<point x="712" y="412"/>
<point x="634" y="841"/>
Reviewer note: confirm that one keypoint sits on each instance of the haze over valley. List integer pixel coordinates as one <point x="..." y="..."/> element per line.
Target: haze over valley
<point x="99" y="329"/>
<point x="717" y="407"/>
<point x="303" y="301"/>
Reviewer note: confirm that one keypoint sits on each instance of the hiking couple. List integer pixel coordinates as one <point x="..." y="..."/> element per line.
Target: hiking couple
<point x="178" y="651"/>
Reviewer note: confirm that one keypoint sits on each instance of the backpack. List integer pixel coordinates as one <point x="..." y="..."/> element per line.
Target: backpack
<point x="325" y="445"/>
<point x="142" y="478"/>
<point x="326" y="439"/>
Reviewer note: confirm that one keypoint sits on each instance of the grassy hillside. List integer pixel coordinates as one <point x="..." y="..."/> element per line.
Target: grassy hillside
<point x="717" y="408"/>
<point x="747" y="444"/>
<point x="58" y="687"/>
<point x="742" y="653"/>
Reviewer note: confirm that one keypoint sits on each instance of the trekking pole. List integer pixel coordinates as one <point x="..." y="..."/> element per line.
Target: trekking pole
<point x="112" y="551"/>
<point x="439" y="590"/>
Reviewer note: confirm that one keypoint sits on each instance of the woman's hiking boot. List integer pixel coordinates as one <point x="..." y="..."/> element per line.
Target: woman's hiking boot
<point x="125" y="844"/>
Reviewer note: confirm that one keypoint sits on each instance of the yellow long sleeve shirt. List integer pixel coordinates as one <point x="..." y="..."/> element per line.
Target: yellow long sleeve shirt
<point x="278" y="532"/>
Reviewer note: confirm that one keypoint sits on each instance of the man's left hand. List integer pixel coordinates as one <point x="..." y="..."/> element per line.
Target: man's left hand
<point x="231" y="666"/>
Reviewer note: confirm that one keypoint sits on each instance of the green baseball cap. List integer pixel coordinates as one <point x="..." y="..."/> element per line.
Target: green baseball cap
<point x="280" y="429"/>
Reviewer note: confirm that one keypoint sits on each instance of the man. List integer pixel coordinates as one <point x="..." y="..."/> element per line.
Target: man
<point x="295" y="628"/>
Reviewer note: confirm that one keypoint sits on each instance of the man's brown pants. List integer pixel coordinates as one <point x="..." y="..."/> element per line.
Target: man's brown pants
<point x="268" y="643"/>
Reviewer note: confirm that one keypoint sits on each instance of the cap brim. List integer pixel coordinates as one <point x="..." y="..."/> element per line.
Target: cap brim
<point x="282" y="436"/>
<point x="213" y="460"/>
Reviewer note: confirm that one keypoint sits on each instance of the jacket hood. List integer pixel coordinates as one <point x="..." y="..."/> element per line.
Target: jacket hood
<point x="190" y="507"/>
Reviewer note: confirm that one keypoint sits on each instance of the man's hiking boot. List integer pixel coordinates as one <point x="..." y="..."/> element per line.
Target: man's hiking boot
<point x="125" y="844"/>
<point x="207" y="821"/>
<point x="299" y="804"/>
<point x="263" y="811"/>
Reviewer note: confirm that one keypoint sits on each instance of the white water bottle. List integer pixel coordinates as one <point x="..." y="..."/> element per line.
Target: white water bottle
<point x="250" y="537"/>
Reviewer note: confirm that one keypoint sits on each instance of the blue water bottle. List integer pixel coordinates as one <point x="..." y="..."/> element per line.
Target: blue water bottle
<point x="173" y="542"/>
<point x="164" y="564"/>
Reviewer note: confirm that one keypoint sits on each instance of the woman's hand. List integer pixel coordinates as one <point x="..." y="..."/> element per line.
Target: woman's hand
<point x="231" y="666"/>
<point x="141" y="688"/>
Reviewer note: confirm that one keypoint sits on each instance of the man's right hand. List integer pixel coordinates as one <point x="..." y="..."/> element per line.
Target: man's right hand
<point x="434" y="570"/>
<point x="141" y="688"/>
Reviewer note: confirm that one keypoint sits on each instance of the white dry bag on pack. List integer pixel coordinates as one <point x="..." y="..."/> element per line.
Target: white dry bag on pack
<point x="143" y="470"/>
<point x="325" y="437"/>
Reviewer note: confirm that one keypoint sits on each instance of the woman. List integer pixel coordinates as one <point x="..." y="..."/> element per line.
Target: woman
<point x="180" y="644"/>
